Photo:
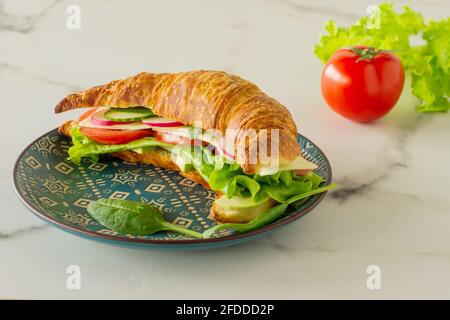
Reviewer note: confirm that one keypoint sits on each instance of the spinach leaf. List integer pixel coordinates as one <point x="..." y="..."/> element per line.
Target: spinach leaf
<point x="138" y="218"/>
<point x="298" y="197"/>
<point x="286" y="192"/>
<point x="133" y="217"/>
<point x="267" y="217"/>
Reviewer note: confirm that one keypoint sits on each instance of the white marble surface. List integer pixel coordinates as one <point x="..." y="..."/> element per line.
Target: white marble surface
<point x="392" y="208"/>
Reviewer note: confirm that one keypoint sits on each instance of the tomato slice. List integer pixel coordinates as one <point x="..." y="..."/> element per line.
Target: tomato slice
<point x="110" y="136"/>
<point x="87" y="114"/>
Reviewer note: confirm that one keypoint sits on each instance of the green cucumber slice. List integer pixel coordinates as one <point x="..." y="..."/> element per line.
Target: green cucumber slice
<point x="128" y="114"/>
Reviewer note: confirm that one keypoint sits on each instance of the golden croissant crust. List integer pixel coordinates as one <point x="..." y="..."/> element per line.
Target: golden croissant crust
<point x="210" y="99"/>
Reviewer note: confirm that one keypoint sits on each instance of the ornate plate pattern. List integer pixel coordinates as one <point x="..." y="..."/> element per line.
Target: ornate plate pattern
<point x="59" y="192"/>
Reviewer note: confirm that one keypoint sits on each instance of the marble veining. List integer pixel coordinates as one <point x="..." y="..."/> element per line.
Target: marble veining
<point x="304" y="8"/>
<point x="22" y="23"/>
<point x="23" y="232"/>
<point x="70" y="87"/>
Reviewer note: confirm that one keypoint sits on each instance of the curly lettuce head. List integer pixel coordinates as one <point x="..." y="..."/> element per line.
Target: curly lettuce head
<point x="388" y="30"/>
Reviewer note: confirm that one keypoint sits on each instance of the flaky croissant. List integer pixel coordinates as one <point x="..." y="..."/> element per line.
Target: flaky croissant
<point x="215" y="99"/>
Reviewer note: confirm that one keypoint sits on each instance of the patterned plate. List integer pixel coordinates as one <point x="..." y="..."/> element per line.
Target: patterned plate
<point x="58" y="192"/>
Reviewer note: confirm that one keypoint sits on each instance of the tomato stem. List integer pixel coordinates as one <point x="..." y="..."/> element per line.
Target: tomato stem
<point x="365" y="53"/>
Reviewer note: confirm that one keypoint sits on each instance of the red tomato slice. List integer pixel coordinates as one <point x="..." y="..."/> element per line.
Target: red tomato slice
<point x="109" y="136"/>
<point x="87" y="114"/>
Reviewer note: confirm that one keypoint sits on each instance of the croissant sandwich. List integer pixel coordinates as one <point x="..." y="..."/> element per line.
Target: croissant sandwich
<point x="213" y="127"/>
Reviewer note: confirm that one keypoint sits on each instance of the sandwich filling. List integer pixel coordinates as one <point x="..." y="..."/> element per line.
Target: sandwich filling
<point x="111" y="130"/>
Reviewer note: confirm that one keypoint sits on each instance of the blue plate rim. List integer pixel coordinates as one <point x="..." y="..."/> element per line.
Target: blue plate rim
<point x="74" y="230"/>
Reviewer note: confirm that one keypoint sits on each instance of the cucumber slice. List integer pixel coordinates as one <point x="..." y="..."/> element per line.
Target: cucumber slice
<point x="128" y="114"/>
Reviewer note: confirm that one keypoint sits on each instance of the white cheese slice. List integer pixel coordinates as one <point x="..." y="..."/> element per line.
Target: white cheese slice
<point x="182" y="131"/>
<point x="182" y="163"/>
<point x="299" y="163"/>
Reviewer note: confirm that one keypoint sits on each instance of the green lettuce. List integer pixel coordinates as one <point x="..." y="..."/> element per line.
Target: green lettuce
<point x="428" y="64"/>
<point x="83" y="147"/>
<point x="392" y="33"/>
<point x="220" y="173"/>
<point x="431" y="82"/>
<point x="231" y="180"/>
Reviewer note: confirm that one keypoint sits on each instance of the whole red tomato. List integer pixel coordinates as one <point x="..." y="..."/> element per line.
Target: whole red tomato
<point x="362" y="83"/>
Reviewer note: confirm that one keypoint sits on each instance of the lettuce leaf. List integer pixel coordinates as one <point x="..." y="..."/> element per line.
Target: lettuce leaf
<point x="431" y="83"/>
<point x="428" y="64"/>
<point x="83" y="147"/>
<point x="230" y="179"/>
<point x="220" y="174"/>
<point x="392" y="33"/>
